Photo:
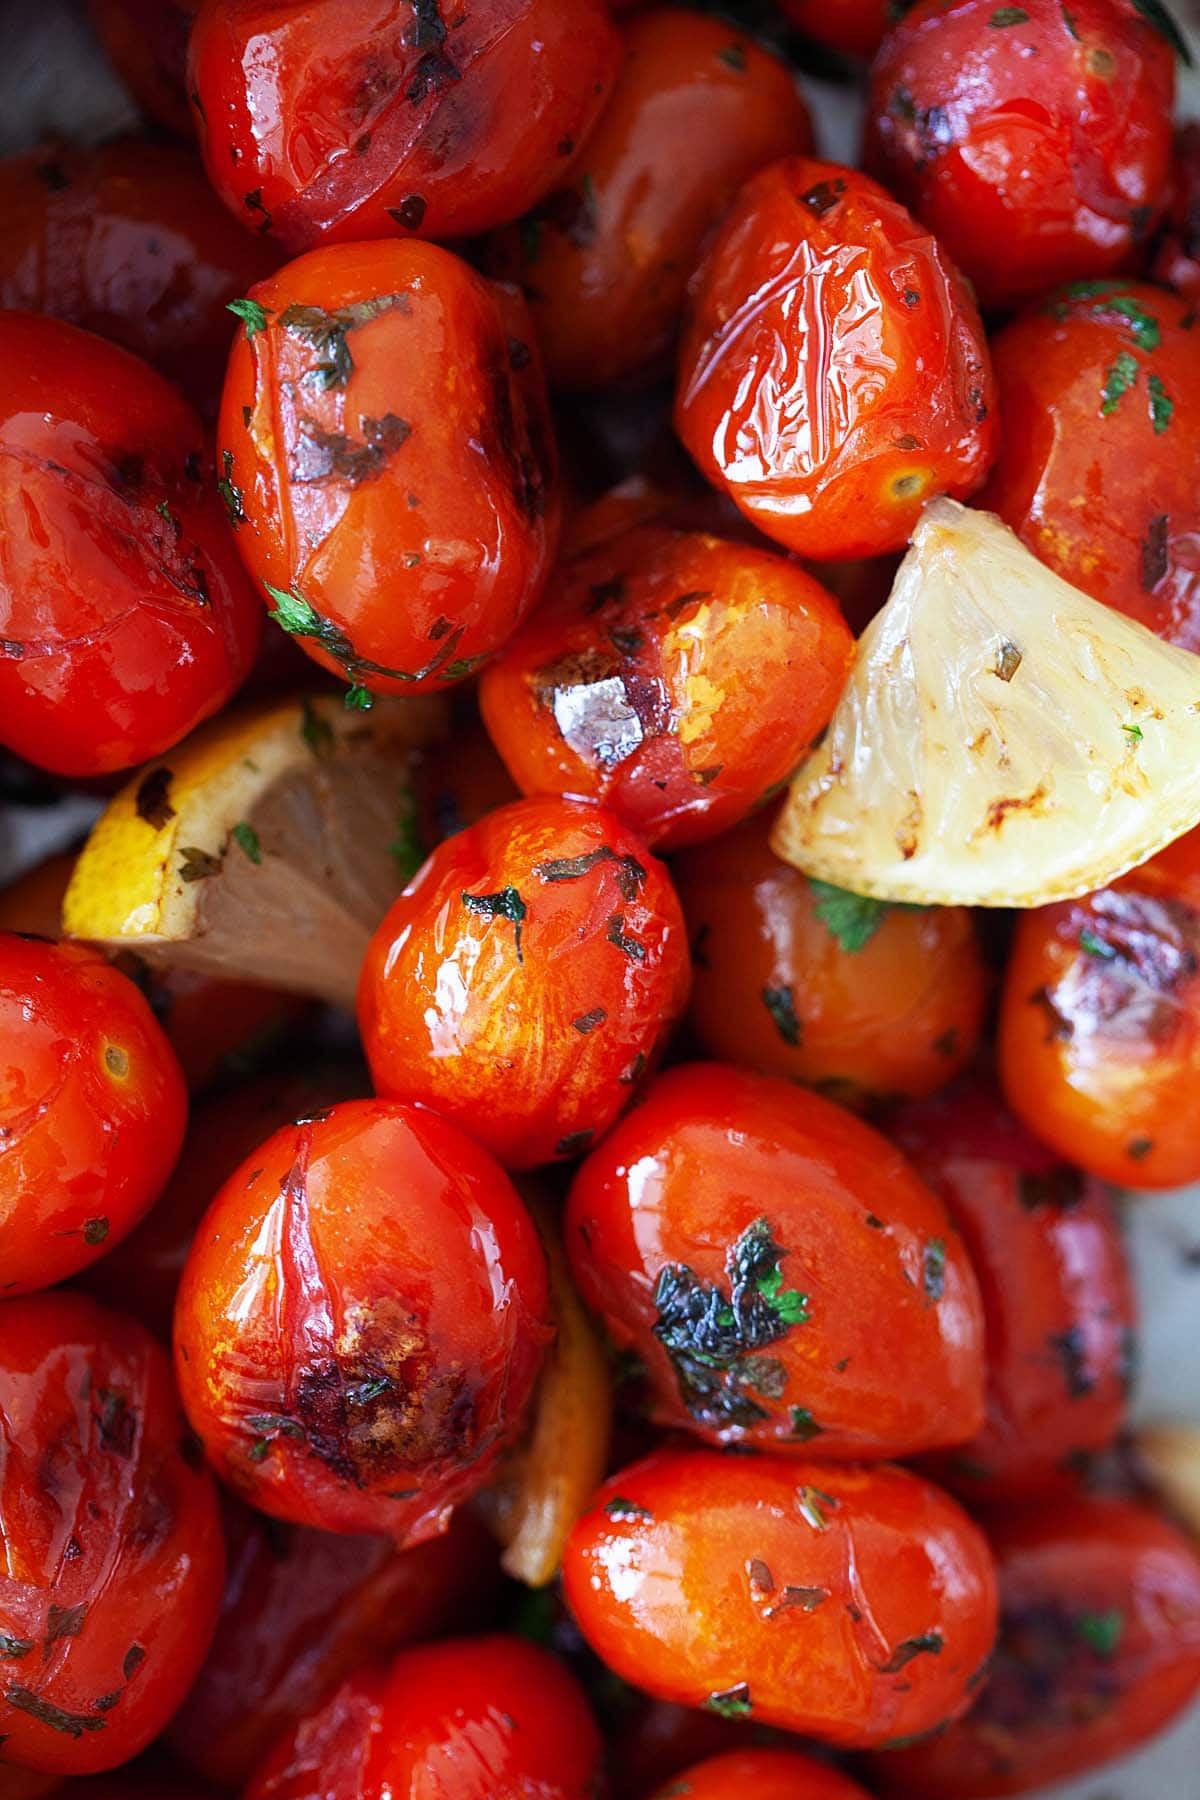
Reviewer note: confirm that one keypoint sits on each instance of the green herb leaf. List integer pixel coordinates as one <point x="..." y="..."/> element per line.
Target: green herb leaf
<point x="1008" y="15"/>
<point x="232" y="496"/>
<point x="1121" y="376"/>
<point x="1091" y="945"/>
<point x="731" y="1703"/>
<point x="252" y="315"/>
<point x="293" y="612"/>
<point x="1102" y="1631"/>
<point x="933" y="1268"/>
<point x="620" y="1508"/>
<point x="852" y="919"/>
<point x="135" y="1656"/>
<point x="781" y="1004"/>
<point x="1133" y="732"/>
<point x="246" y="839"/>
<point x="316" y="731"/>
<point x="358" y="699"/>
<point x="1162" y="407"/>
<point x="507" y="904"/>
<point x="804" y="1426"/>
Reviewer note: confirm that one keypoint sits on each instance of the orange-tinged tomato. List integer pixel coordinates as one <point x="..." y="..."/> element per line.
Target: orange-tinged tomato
<point x="762" y="1775"/>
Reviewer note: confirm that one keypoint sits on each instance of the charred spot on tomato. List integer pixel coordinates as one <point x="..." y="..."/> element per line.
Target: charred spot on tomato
<point x="1070" y="1348"/>
<point x="116" y="1421"/>
<point x="322" y="455"/>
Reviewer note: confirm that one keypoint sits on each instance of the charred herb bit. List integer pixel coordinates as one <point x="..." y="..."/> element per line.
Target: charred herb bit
<point x="232" y="496"/>
<point x="933" y="1268"/>
<point x="95" y="1231"/>
<point x="1008" y="660"/>
<point x="1155" y="552"/>
<point x="1070" y="1348"/>
<point x="620" y="1508"/>
<point x="1162" y="407"/>
<point x="197" y="865"/>
<point x="434" y="72"/>
<point x="823" y="197"/>
<point x="853" y="919"/>
<point x="1121" y="376"/>
<point x="674" y="607"/>
<point x="253" y="316"/>
<point x="410" y="213"/>
<point x="780" y="1002"/>
<point x="246" y="839"/>
<point x="70" y="1724"/>
<point x="105" y="1702"/>
<point x="507" y="904"/>
<point x="152" y="801"/>
<point x="322" y="456"/>
<point x="731" y="1703"/>
<point x="804" y="1426"/>
<point x="628" y="871"/>
<point x="627" y="639"/>
<point x="1139" y="1147"/>
<point x="588" y="1021"/>
<point x="316" y="731"/>
<point x="14" y="1647"/>
<point x="1062" y="1188"/>
<point x="327" y="333"/>
<point x="734" y="57"/>
<point x="1156" y="14"/>
<point x="116" y="1422"/>
<point x="253" y="203"/>
<point x="931" y="1644"/>
<point x="628" y="946"/>
<point x="633" y="1074"/>
<point x="63" y="1622"/>
<point x="799" y="1599"/>
<point x="1103" y="296"/>
<point x="574" y="1144"/>
<point x="1102" y="1632"/>
<point x="135" y="1656"/>
<point x="270" y="1427"/>
<point x="1008" y="15"/>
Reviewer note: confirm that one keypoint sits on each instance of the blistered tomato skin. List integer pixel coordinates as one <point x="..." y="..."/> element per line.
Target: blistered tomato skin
<point x="1176" y="260"/>
<point x="772" y="1262"/>
<point x="855" y="27"/>
<point x="605" y="259"/>
<point x="113" y="1555"/>
<point x="388" y="461"/>
<point x="1100" y="395"/>
<point x="360" y="1321"/>
<point x="833" y="373"/>
<point x="526" y="978"/>
<point x="358" y="119"/>
<point x="148" y="42"/>
<point x="864" y="1001"/>
<point x="855" y="1605"/>
<point x="1035" y="143"/>
<point x="767" y="1775"/>
<point x="92" y="1110"/>
<point x="1099" y="1648"/>
<point x="670" y="675"/>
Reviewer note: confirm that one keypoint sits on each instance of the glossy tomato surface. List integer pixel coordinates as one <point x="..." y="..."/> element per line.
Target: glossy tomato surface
<point x="1176" y="260"/>
<point x="765" y="1774"/>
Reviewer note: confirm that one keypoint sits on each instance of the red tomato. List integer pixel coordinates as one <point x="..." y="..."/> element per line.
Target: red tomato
<point x="763" y="1775"/>
<point x="113" y="1559"/>
<point x="355" y="119"/>
<point x="360" y="1321"/>
<point x="148" y="41"/>
<point x="853" y="26"/>
<point x="833" y="374"/>
<point x="1176" y="260"/>
<point x="1035" y="141"/>
<point x="125" y="618"/>
<point x="388" y="461"/>
<point x="650" y="1741"/>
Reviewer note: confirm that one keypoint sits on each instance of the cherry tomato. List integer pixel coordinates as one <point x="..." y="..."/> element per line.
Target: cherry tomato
<point x="1099" y="1647"/>
<point x="125" y="617"/>
<point x="833" y="374"/>
<point x="652" y="1741"/>
<point x="360" y="1321"/>
<point x="93" y="1109"/>
<point x="853" y="1604"/>
<point x="388" y="461"/>
<point x="763" y="1775"/>
<point x="855" y="27"/>
<point x="1176" y="260"/>
<point x="485" y="1718"/>
<point x="773" y="1262"/>
<point x="355" y="119"/>
<point x="147" y="40"/>
<point x="861" y="1000"/>
<point x="113" y="1557"/>
<point x="1100" y="394"/>
<point x="525" y="978"/>
<point x="605" y="260"/>
<point x="1099" y="1036"/>
<point x="1035" y="142"/>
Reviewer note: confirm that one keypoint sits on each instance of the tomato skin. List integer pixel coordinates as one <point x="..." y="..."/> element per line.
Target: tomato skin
<point x="765" y="1774"/>
<point x="855" y="27"/>
<point x="92" y="1105"/>
<point x="528" y="1016"/>
<point x="112" y="1536"/>
<point x="336" y="1377"/>
<point x="358" y="119"/>
<point x="681" y="1601"/>
<point x="1176" y="259"/>
<point x="147" y="40"/>
<point x="422" y="537"/>
<point x="696" y="109"/>
<point x="1039" y="151"/>
<point x="661" y="1214"/>
<point x="1054" y="1704"/>
<point x="123" y="628"/>
<point x="828" y="405"/>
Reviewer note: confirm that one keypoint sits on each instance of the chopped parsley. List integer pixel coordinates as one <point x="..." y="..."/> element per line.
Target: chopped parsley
<point x="1121" y="376"/>
<point x="507" y="904"/>
<point x="620" y="1508"/>
<point x="1162" y="407"/>
<point x="853" y="919"/>
<point x="70" y="1724"/>
<point x="1103" y="1631"/>
<point x="327" y="333"/>
<point x="253" y="316"/>
<point x="804" y="1426"/>
<point x="1091" y="945"/>
<point x="933" y="1268"/>
<point x="246" y="839"/>
<point x="316" y="731"/>
<point x="1008" y="15"/>
<point x="299" y="618"/>
<point x="781" y="1004"/>
<point x="731" y="1703"/>
<point x="628" y="871"/>
<point x="407" y="848"/>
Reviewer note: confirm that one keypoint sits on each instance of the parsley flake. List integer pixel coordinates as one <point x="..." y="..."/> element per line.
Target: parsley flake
<point x="931" y="1644"/>
<point x="1162" y="407"/>
<point x="1091" y="945"/>
<point x="1102" y="1632"/>
<point x="246" y="839"/>
<point x="804" y="1426"/>
<point x="620" y="1508"/>
<point x="731" y="1703"/>
<point x="506" y="904"/>
<point x="1120" y="377"/>
<point x="780" y="1002"/>
<point x="1008" y="15"/>
<point x="933" y="1268"/>
<point x="316" y="732"/>
<point x="253" y="316"/>
<point x="853" y="919"/>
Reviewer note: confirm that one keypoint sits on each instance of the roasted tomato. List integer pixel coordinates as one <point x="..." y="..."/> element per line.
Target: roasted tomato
<point x="1045" y="1242"/>
<point x="387" y="461"/>
<point x="1100" y="395"/>
<point x="605" y="259"/>
<point x="853" y="1604"/>
<point x="339" y="1344"/>
<point x="1035" y="142"/>
<point x="525" y="978"/>
<point x="125" y="617"/>
<point x="793" y="977"/>
<point x="147" y="40"/>
<point x="1176" y="261"/>
<point x="773" y="1262"/>
<point x="113" y="1559"/>
<point x="355" y="119"/>
<point x="485" y="1718"/>
<point x="1099" y="1039"/>
<point x="833" y="374"/>
<point x="92" y="1110"/>
<point x="1099" y="1647"/>
<point x="763" y="1775"/>
<point x="853" y="26"/>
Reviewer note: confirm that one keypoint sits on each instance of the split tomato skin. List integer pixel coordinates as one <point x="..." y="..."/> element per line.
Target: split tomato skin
<point x="360" y="119"/>
<point x="92" y="1110"/>
<point x="114" y="1554"/>
<point x="1036" y="144"/>
<point x="765" y="1774"/>
<point x="673" y="676"/>
<point x="525" y="979"/>
<point x="833" y="372"/>
<point x="389" y="462"/>
<point x="772" y="1262"/>
<point x="1176" y="260"/>
<point x="853" y="1604"/>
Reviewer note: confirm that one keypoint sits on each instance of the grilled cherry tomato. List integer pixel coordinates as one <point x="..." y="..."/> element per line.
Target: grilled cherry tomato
<point x="1099" y="1037"/>
<point x="147" y="40"/>
<point x="1045" y="1242"/>
<point x="113" y="1558"/>
<point x="773" y="1262"/>
<point x="1099" y="1648"/>
<point x="1035" y="142"/>
<point x="92" y="1110"/>
<point x="525" y="978"/>
<point x="762" y="1775"/>
<point x="387" y="461"/>
<point x="605" y="259"/>
<point x="484" y="1718"/>
<point x="1100" y="395"/>
<point x="339" y="1342"/>
<point x="833" y="373"/>
<point x="855" y="27"/>
<point x="1176" y="260"/>
<point x="356" y="119"/>
<point x="861" y="1000"/>
<point x="125" y="617"/>
<point x="853" y="1604"/>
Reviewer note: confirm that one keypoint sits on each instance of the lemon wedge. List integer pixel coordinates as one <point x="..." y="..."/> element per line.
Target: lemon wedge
<point x="266" y="847"/>
<point x="1168" y="1456"/>
<point x="1003" y="740"/>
